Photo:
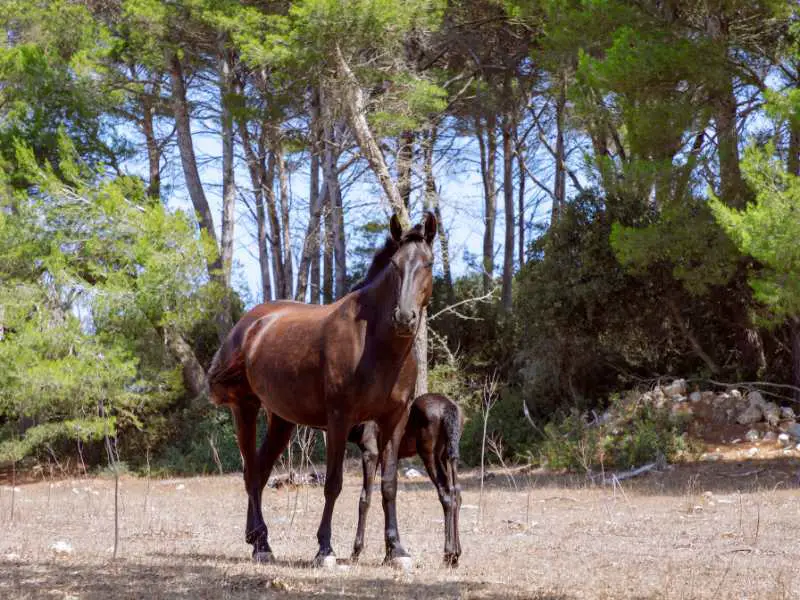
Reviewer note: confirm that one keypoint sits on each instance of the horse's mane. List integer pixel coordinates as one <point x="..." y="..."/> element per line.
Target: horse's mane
<point x="385" y="254"/>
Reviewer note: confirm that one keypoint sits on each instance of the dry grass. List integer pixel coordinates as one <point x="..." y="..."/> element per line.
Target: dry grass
<point x="722" y="530"/>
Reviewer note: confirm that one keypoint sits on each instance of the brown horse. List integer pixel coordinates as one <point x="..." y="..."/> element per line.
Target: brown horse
<point x="433" y="431"/>
<point x="330" y="367"/>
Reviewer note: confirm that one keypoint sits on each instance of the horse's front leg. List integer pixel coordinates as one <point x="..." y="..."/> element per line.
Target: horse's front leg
<point x="369" y="462"/>
<point x="337" y="429"/>
<point x="391" y="435"/>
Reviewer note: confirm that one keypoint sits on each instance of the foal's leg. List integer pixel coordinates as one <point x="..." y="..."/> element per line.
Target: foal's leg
<point x="369" y="461"/>
<point x="456" y="494"/>
<point x="337" y="439"/>
<point x="391" y="434"/>
<point x="451" y="505"/>
<point x="278" y="434"/>
<point x="437" y="476"/>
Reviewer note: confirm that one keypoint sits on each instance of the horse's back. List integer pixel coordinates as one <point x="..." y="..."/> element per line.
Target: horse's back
<point x="227" y="377"/>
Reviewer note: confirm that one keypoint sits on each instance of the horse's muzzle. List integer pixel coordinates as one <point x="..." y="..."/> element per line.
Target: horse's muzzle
<point x="405" y="322"/>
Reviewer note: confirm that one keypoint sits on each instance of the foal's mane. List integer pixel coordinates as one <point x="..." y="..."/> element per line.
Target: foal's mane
<point x="385" y="254"/>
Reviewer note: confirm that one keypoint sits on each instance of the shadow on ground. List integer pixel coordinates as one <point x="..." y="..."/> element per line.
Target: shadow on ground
<point x="185" y="577"/>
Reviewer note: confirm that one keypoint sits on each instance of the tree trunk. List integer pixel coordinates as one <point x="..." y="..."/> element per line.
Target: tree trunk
<point x="153" y="150"/>
<point x="310" y="254"/>
<point x="194" y="376"/>
<point x="275" y="239"/>
<point x="508" y="197"/>
<point x="288" y="269"/>
<point x="521" y="203"/>
<point x="255" y="165"/>
<point x="488" y="152"/>
<point x="183" y="130"/>
<point x="560" y="183"/>
<point x="327" y="258"/>
<point x="733" y="190"/>
<point x="405" y="156"/>
<point x="355" y="108"/>
<point x="339" y="246"/>
<point x="432" y="203"/>
<point x="421" y="354"/>
<point x="228" y="181"/>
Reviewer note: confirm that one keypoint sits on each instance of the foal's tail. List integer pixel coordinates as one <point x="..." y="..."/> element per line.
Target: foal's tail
<point x="452" y="421"/>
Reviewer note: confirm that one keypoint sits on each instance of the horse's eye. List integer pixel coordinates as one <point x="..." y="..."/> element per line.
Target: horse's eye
<point x="429" y="265"/>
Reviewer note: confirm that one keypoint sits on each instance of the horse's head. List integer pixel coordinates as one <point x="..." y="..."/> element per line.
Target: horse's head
<point x="413" y="263"/>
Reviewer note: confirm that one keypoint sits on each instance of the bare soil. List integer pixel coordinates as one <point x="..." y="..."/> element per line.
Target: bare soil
<point x="722" y="529"/>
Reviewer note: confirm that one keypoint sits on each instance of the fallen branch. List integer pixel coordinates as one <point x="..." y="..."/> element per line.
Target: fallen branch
<point x="614" y="478"/>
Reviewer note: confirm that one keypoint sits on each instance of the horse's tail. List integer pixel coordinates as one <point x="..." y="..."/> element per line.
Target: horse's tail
<point x="452" y="422"/>
<point x="227" y="376"/>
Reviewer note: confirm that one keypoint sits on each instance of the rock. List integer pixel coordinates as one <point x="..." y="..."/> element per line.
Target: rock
<point x="752" y="452"/>
<point x="659" y="398"/>
<point x="755" y="398"/>
<point x="771" y="412"/>
<point x="794" y="430"/>
<point x="676" y="388"/>
<point x="61" y="547"/>
<point x="736" y="394"/>
<point x="752" y="436"/>
<point x="752" y="414"/>
<point x="707" y="397"/>
<point x="679" y="399"/>
<point x="787" y="413"/>
<point x="695" y="397"/>
<point x="412" y="473"/>
<point x="784" y="439"/>
<point x="770" y="436"/>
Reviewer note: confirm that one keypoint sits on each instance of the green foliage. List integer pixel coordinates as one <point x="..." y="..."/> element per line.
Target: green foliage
<point x="768" y="230"/>
<point x="638" y="434"/>
<point x="90" y="273"/>
<point x="685" y="241"/>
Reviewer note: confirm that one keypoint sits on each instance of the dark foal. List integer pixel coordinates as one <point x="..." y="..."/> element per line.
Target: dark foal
<point x="330" y="367"/>
<point x="433" y="431"/>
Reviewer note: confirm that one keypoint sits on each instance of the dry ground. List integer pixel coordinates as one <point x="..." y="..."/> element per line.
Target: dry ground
<point x="725" y="529"/>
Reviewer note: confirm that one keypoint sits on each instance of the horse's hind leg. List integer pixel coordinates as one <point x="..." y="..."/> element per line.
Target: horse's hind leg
<point x="279" y="432"/>
<point x="245" y="415"/>
<point x="369" y="462"/>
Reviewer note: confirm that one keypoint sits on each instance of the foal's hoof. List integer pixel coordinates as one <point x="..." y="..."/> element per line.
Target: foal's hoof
<point x="450" y="560"/>
<point x="401" y="563"/>
<point x="325" y="562"/>
<point x="263" y="558"/>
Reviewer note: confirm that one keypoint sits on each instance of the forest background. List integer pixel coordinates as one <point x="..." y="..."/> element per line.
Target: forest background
<point x="616" y="184"/>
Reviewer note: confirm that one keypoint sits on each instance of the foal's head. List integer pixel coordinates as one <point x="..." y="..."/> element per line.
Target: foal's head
<point x="413" y="263"/>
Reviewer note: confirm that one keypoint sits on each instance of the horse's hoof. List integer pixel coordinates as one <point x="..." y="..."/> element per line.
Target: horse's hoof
<point x="325" y="562"/>
<point x="263" y="558"/>
<point x="402" y="563"/>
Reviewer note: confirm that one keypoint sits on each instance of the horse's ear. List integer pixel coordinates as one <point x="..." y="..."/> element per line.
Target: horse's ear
<point x="430" y="227"/>
<point x="396" y="229"/>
